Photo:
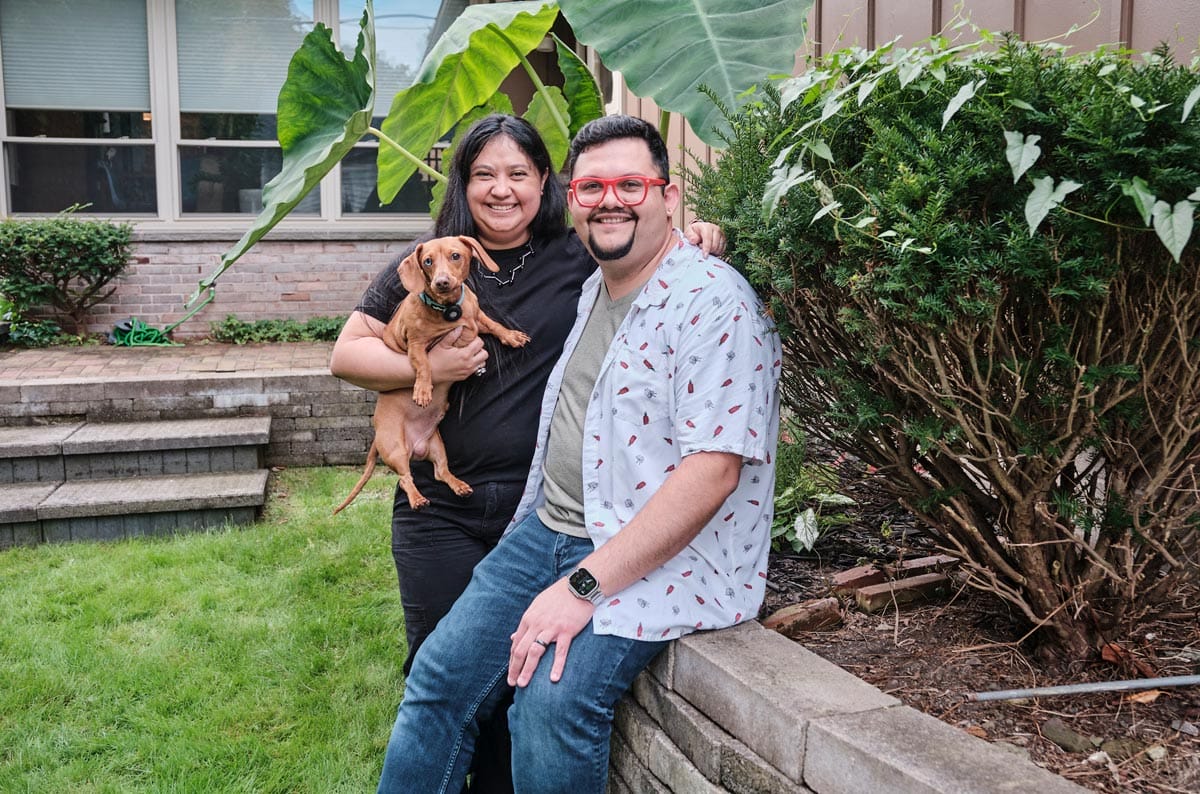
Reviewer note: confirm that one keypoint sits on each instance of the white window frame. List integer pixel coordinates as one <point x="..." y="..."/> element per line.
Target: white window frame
<point x="166" y="142"/>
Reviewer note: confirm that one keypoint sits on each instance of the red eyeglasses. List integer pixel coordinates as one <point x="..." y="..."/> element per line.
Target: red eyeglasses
<point x="630" y="190"/>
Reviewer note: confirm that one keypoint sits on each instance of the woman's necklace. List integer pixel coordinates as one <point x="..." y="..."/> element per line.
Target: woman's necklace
<point x="512" y="274"/>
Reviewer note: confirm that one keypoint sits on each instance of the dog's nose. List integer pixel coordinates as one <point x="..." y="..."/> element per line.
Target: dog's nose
<point x="441" y="283"/>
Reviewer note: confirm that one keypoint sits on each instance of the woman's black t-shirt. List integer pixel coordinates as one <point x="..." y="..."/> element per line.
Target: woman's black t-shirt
<point x="491" y="427"/>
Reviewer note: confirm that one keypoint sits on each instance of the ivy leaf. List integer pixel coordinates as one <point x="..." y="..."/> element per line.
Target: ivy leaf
<point x="1022" y="152"/>
<point x="1174" y="225"/>
<point x="828" y="208"/>
<point x="960" y="99"/>
<point x="1022" y="104"/>
<point x="1045" y="197"/>
<point x="802" y="85"/>
<point x="1195" y="195"/>
<point x="831" y="108"/>
<point x="821" y="149"/>
<point x="910" y="71"/>
<point x="807" y="531"/>
<point x="782" y="156"/>
<point x="781" y="181"/>
<point x="1143" y="199"/>
<point x="865" y="90"/>
<point x="1190" y="103"/>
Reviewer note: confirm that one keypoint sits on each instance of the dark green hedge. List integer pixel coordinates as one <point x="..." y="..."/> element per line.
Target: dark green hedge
<point x="982" y="263"/>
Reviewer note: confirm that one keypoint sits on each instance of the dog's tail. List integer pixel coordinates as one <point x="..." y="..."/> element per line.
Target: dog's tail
<point x="372" y="456"/>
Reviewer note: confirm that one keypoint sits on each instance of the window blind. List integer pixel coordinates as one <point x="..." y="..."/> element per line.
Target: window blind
<point x="106" y="66"/>
<point x="233" y="54"/>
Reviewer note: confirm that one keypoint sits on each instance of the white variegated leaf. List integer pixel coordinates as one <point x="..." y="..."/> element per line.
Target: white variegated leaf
<point x="1173" y="225"/>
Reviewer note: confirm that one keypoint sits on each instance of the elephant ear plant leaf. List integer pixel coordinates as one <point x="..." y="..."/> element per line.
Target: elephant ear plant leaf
<point x="584" y="101"/>
<point x="464" y="69"/>
<point x="325" y="107"/>
<point x="542" y="111"/>
<point x="667" y="50"/>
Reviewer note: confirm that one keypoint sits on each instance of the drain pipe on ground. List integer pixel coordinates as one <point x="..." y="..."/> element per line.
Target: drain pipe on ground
<point x="1099" y="686"/>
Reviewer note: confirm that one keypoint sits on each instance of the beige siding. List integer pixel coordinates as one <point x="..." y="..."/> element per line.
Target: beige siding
<point x="1137" y="24"/>
<point x="1175" y="21"/>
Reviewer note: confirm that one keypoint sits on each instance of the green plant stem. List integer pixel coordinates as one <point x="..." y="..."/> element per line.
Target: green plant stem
<point x="421" y="165"/>
<point x="538" y="85"/>
<point x="664" y="123"/>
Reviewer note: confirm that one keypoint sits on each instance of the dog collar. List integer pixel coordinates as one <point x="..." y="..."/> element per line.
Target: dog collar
<point x="451" y="312"/>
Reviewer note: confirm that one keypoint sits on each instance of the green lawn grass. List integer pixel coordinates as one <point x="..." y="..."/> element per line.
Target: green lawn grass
<point x="264" y="658"/>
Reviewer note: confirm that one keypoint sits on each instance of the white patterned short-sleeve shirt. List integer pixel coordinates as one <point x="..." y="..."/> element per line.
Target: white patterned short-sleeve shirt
<point x="694" y="367"/>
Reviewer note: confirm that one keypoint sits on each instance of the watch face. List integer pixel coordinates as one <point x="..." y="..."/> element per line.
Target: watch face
<point x="582" y="582"/>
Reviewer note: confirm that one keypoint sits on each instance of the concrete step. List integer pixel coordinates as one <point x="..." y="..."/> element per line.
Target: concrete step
<point x="32" y="513"/>
<point x="80" y="451"/>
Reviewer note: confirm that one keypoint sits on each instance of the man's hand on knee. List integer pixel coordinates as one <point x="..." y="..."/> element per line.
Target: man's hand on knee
<point x="553" y="619"/>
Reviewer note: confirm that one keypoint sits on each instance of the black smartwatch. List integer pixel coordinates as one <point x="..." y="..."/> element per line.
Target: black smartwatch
<point x="584" y="585"/>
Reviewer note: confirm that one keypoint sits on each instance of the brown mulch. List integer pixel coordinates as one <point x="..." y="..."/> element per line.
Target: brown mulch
<point x="931" y="656"/>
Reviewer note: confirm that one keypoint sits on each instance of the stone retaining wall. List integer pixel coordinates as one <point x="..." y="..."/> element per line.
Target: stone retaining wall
<point x="317" y="420"/>
<point x="747" y="710"/>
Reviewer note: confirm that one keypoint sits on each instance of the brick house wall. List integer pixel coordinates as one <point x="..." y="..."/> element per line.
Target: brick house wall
<point x="278" y="279"/>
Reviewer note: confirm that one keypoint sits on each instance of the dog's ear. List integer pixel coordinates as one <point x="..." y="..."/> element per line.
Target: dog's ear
<point x="410" y="271"/>
<point x="480" y="254"/>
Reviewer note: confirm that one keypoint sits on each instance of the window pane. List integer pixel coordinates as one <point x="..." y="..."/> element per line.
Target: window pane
<point x="78" y="124"/>
<point x="230" y="179"/>
<point x="228" y="126"/>
<point x="49" y="178"/>
<point x="256" y="40"/>
<point x="402" y="37"/>
<point x="359" y="176"/>
<point x="75" y="56"/>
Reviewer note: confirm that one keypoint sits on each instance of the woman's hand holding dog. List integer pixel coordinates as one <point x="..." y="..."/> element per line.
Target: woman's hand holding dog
<point x="452" y="364"/>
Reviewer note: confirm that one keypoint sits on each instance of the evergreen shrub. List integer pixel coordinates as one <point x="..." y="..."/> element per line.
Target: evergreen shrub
<point x="61" y="263"/>
<point x="982" y="263"/>
<point x="240" y="332"/>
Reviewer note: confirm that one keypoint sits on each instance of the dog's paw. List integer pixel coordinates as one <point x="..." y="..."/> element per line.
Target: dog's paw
<point x="417" y="503"/>
<point x="516" y="339"/>
<point x="423" y="395"/>
<point x="462" y="489"/>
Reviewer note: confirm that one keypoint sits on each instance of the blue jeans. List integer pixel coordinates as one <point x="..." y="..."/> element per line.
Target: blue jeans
<point x="560" y="732"/>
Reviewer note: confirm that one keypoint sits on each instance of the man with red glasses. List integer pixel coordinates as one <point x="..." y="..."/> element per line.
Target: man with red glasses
<point x="648" y="508"/>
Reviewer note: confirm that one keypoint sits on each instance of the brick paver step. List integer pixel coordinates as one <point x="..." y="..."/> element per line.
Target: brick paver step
<point x="19" y="502"/>
<point x="35" y="440"/>
<point x="168" y="434"/>
<point x="33" y="513"/>
<point x="92" y="437"/>
<point x="155" y="494"/>
<point x="97" y="451"/>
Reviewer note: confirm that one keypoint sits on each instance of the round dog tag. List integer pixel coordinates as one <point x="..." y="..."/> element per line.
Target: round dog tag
<point x="452" y="313"/>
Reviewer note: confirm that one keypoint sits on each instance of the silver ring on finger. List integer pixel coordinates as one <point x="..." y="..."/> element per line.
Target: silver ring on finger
<point x="542" y="643"/>
<point x="482" y="369"/>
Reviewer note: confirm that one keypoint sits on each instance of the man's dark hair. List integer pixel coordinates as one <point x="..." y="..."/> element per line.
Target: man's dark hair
<point x="454" y="218"/>
<point x="609" y="128"/>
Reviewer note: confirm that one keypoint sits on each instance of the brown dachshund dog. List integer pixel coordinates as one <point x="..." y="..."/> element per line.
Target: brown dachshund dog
<point x="438" y="301"/>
